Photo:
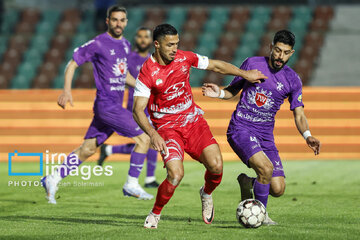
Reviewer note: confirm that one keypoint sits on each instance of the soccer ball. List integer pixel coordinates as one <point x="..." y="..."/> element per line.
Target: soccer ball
<point x="251" y="213"/>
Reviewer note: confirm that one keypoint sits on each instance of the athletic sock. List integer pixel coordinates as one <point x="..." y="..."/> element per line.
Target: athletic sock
<point x="124" y="148"/>
<point x="261" y="192"/>
<point x="151" y="162"/>
<point x="164" y="193"/>
<point x="136" y="164"/>
<point x="72" y="162"/>
<point x="212" y="180"/>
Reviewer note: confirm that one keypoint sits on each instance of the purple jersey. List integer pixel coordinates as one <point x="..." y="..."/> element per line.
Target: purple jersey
<point x="260" y="102"/>
<point x="135" y="62"/>
<point x="109" y="59"/>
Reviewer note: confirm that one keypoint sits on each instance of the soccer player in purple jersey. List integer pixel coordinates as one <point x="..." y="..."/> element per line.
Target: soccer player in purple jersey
<point x="109" y="53"/>
<point x="250" y="132"/>
<point x="143" y="42"/>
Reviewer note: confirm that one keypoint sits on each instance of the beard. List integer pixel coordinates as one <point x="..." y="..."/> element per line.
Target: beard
<point x="273" y="60"/>
<point x="113" y="33"/>
<point x="143" y="49"/>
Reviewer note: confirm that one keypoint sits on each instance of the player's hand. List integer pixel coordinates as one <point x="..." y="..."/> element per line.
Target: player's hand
<point x="158" y="143"/>
<point x="254" y="76"/>
<point x="314" y="144"/>
<point x="65" y="97"/>
<point x="210" y="90"/>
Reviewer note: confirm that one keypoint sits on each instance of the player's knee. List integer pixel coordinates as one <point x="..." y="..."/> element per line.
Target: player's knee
<point x="266" y="170"/>
<point x="277" y="191"/>
<point x="87" y="151"/>
<point x="175" y="176"/>
<point x="144" y="140"/>
<point x="217" y="165"/>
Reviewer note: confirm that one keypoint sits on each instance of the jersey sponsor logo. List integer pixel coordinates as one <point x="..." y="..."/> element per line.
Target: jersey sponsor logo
<point x="180" y="59"/>
<point x="279" y="86"/>
<point x="175" y="88"/>
<point x="300" y="98"/>
<point x="261" y="98"/>
<point x="120" y="67"/>
<point x="155" y="72"/>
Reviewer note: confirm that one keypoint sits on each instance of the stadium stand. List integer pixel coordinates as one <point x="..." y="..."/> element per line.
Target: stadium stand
<point x="35" y="46"/>
<point x="339" y="62"/>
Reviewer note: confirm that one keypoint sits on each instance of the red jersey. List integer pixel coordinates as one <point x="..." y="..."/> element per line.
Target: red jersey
<point x="171" y="102"/>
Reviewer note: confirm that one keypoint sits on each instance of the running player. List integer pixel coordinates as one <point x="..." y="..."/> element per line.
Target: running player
<point x="143" y="42"/>
<point x="163" y="85"/>
<point x="250" y="132"/>
<point x="108" y="52"/>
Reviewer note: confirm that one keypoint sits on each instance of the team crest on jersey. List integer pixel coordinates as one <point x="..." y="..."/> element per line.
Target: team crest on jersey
<point x="120" y="67"/>
<point x="158" y="82"/>
<point x="279" y="86"/>
<point x="261" y="98"/>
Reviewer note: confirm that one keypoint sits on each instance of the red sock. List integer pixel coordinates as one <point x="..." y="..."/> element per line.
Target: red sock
<point x="212" y="180"/>
<point x="165" y="192"/>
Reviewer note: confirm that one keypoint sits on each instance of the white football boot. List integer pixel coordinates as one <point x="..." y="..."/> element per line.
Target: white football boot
<point x="50" y="185"/>
<point x="207" y="207"/>
<point x="268" y="221"/>
<point x="152" y="220"/>
<point x="135" y="190"/>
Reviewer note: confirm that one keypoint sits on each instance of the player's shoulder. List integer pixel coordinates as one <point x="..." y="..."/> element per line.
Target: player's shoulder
<point x="256" y="60"/>
<point x="180" y="54"/>
<point x="291" y="75"/>
<point x="148" y="67"/>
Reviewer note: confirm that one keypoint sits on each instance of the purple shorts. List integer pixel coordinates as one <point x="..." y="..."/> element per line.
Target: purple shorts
<point x="109" y="118"/>
<point x="246" y="143"/>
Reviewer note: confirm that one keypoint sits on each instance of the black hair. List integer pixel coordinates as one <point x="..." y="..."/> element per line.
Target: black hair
<point x="284" y="36"/>
<point x="143" y="28"/>
<point x="162" y="30"/>
<point x="115" y="8"/>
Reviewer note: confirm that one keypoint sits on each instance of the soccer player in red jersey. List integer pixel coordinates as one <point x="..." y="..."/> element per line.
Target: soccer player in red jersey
<point x="163" y="85"/>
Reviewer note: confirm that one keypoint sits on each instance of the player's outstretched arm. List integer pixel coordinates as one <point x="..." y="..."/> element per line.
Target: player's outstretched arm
<point x="130" y="80"/>
<point x="303" y="127"/>
<point x="66" y="96"/>
<point x="212" y="90"/>
<point x="139" y="106"/>
<point x="253" y="76"/>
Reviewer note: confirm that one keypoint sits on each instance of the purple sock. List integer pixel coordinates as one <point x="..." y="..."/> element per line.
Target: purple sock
<point x="136" y="164"/>
<point x="261" y="192"/>
<point x="125" y="148"/>
<point x="151" y="162"/>
<point x="71" y="162"/>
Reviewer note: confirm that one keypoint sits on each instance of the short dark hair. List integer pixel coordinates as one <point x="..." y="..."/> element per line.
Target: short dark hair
<point x="284" y="36"/>
<point x="115" y="8"/>
<point x="143" y="29"/>
<point x="162" y="30"/>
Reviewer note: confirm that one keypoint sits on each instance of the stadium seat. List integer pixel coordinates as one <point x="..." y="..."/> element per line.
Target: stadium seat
<point x="261" y="13"/>
<point x="302" y="12"/>
<point x="20" y="82"/>
<point x="220" y="14"/>
<point x="176" y="17"/>
<point x="136" y="15"/>
<point x="196" y="77"/>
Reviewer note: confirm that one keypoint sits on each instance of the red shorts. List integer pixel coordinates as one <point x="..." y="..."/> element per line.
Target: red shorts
<point x="193" y="139"/>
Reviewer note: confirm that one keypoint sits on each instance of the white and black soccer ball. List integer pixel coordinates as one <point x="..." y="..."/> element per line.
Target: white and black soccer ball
<point x="251" y="213"/>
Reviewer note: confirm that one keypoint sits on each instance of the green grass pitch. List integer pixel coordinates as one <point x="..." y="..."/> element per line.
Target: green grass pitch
<point x="321" y="201"/>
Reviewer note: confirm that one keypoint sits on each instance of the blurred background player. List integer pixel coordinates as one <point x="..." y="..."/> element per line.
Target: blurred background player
<point x="250" y="132"/>
<point x="108" y="52"/>
<point x="143" y="43"/>
<point x="163" y="85"/>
